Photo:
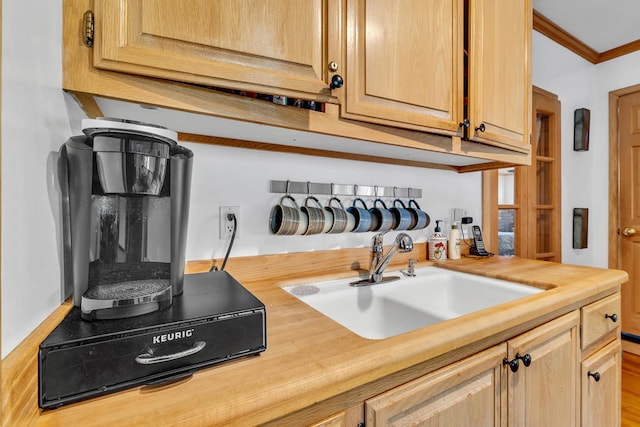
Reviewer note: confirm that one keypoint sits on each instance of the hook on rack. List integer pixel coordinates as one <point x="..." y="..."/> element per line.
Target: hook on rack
<point x="333" y="189"/>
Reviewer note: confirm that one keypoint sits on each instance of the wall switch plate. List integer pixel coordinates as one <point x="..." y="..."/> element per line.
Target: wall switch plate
<point x="226" y="225"/>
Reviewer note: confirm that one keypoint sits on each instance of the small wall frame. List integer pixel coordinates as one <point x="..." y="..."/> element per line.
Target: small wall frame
<point x="580" y="227"/>
<point x="581" y="123"/>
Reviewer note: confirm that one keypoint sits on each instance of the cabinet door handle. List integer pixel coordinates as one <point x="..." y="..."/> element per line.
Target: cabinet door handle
<point x="336" y="81"/>
<point x="481" y="128"/>
<point x="464" y="124"/>
<point x="613" y="317"/>
<point x="595" y="375"/>
<point x="147" y="358"/>
<point x="514" y="364"/>
<point x="526" y="359"/>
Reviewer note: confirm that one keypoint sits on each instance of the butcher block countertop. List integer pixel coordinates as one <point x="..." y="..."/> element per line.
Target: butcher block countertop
<point x="313" y="367"/>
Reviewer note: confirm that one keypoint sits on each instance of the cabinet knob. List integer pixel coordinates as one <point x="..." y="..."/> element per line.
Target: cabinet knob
<point x="613" y="317"/>
<point x="515" y="364"/>
<point x="333" y="66"/>
<point x="595" y="375"/>
<point x="336" y="81"/>
<point x="480" y="128"/>
<point x="526" y="359"/>
<point x="464" y="124"/>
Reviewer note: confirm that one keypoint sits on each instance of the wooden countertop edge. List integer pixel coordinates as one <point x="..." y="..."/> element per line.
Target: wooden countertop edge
<point x="304" y="392"/>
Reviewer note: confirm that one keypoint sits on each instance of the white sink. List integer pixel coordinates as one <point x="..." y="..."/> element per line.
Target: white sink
<point x="388" y="309"/>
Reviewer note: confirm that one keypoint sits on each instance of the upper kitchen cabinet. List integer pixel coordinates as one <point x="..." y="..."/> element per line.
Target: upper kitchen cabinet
<point x="412" y="64"/>
<point x="499" y="69"/>
<point x="266" y="46"/>
<point x="390" y="79"/>
<point x="404" y="63"/>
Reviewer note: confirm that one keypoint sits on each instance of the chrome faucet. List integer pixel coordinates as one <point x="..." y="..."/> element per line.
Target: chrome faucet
<point x="379" y="260"/>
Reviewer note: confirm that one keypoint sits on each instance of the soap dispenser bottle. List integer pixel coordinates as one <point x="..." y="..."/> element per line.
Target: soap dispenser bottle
<point x="438" y="244"/>
<point x="454" y="242"/>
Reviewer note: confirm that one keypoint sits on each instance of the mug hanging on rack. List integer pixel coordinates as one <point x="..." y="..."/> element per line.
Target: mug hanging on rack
<point x="339" y="214"/>
<point x="361" y="215"/>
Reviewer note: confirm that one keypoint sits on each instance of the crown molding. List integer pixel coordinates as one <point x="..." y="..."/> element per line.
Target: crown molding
<point x="546" y="27"/>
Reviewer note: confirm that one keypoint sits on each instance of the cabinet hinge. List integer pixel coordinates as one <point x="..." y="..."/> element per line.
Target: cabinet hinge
<point x="88" y="28"/>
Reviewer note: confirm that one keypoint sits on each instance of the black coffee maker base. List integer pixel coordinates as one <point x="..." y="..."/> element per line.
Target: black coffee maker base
<point x="215" y="319"/>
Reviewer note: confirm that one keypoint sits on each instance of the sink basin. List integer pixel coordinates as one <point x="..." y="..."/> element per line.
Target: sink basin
<point x="391" y="308"/>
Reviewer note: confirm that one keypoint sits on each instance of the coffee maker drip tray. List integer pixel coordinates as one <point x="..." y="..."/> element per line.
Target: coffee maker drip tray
<point x="126" y="299"/>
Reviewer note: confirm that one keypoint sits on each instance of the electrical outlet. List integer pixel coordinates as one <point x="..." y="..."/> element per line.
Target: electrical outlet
<point x="457" y="214"/>
<point x="226" y="225"/>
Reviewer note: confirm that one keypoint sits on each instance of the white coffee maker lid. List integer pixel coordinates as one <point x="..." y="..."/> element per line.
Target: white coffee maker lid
<point x="101" y="125"/>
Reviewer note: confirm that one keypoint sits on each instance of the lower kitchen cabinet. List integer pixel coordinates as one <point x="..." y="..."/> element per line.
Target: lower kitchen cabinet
<point x="544" y="393"/>
<point x="566" y="372"/>
<point x="531" y="379"/>
<point x="466" y="393"/>
<point x="600" y="380"/>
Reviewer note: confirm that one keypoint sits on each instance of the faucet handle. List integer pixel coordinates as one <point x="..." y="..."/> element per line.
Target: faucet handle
<point x="404" y="242"/>
<point x="412" y="268"/>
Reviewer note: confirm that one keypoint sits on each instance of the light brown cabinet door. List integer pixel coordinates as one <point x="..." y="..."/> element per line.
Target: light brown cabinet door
<point x="404" y="63"/>
<point x="500" y="72"/>
<point x="267" y="46"/>
<point x="600" y="378"/>
<point x="545" y="393"/>
<point x="466" y="393"/>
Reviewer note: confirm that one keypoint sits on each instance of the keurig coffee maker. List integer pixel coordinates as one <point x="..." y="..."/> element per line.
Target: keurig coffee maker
<point x="136" y="318"/>
<point x="128" y="205"/>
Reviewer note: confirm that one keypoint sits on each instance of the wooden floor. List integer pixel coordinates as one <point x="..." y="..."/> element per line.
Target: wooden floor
<point x="630" y="390"/>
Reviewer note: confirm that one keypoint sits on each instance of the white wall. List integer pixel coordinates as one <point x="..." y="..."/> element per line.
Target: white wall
<point x="585" y="175"/>
<point x="235" y="177"/>
<point x="38" y="118"/>
<point x="34" y="123"/>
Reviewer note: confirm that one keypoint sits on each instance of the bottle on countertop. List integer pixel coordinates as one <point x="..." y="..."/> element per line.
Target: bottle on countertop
<point x="454" y="242"/>
<point x="438" y="244"/>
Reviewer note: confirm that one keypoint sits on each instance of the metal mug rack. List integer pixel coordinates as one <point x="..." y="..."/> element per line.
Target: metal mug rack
<point x="355" y="190"/>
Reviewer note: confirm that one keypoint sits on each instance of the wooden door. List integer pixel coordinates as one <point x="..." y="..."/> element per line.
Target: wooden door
<point x="545" y="393"/>
<point x="404" y="63"/>
<point x="500" y="72"/>
<point x="629" y="237"/>
<point x="266" y="46"/>
<point x="466" y="393"/>
<point x="600" y="378"/>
